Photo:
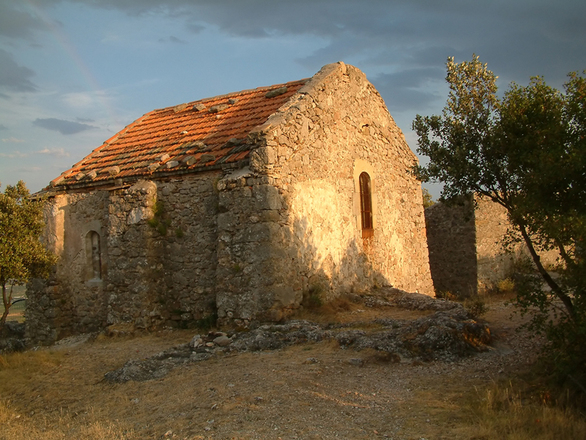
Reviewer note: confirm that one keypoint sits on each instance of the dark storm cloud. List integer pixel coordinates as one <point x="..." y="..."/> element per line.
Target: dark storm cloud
<point x="62" y="126"/>
<point x="409" y="89"/>
<point x="14" y="77"/>
<point x="518" y="38"/>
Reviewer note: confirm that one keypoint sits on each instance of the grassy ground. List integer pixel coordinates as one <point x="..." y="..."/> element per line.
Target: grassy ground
<point x="305" y="391"/>
<point x="16" y="310"/>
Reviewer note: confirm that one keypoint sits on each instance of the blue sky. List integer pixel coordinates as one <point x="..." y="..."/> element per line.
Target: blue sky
<point x="74" y="72"/>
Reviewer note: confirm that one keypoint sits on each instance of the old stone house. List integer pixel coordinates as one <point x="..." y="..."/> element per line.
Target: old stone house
<point x="236" y="206"/>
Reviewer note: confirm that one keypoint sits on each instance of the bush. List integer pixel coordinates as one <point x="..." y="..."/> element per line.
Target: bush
<point x="475" y="306"/>
<point x="312" y="299"/>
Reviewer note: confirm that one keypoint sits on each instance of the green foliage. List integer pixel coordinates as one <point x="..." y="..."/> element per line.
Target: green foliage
<point x="427" y="198"/>
<point x="526" y="152"/>
<point x="506" y="285"/>
<point x="207" y="322"/>
<point x="445" y="294"/>
<point x="236" y="268"/>
<point x="22" y="255"/>
<point x="312" y="299"/>
<point x="160" y="221"/>
<point x="159" y="209"/>
<point x="475" y="306"/>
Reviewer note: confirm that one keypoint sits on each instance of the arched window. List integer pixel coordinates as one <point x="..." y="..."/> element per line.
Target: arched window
<point x="366" y="205"/>
<point x="94" y="255"/>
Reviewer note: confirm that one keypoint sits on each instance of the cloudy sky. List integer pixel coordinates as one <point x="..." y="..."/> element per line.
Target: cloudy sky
<point x="74" y="72"/>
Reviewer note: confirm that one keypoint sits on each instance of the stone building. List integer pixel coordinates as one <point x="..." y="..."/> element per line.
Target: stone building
<point x="467" y="255"/>
<point x="235" y="207"/>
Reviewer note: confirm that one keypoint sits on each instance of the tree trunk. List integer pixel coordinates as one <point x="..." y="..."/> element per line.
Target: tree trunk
<point x="555" y="288"/>
<point x="7" y="301"/>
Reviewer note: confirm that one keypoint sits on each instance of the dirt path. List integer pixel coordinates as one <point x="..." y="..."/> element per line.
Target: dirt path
<point x="305" y="391"/>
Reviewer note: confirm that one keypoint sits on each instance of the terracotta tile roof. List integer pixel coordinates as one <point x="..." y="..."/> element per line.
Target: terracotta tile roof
<point x="186" y="138"/>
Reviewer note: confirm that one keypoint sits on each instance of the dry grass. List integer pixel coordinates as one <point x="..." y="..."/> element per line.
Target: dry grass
<point x="305" y="391"/>
<point x="83" y="427"/>
<point x="345" y="310"/>
<point x="18" y="369"/>
<point x="507" y="411"/>
<point x="19" y="372"/>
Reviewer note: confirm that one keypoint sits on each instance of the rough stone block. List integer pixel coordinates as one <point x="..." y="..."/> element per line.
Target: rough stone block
<point x="267" y="197"/>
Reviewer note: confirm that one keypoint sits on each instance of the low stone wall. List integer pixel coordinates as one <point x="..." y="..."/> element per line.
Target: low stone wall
<point x="451" y="239"/>
<point x="466" y="250"/>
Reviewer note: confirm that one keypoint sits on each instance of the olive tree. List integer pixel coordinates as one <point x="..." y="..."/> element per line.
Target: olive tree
<point x="22" y="255"/>
<point x="525" y="151"/>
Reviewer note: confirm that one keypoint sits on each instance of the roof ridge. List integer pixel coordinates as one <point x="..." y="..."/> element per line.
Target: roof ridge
<point x="228" y="95"/>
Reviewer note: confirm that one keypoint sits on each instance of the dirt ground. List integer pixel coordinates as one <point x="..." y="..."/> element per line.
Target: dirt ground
<point x="308" y="391"/>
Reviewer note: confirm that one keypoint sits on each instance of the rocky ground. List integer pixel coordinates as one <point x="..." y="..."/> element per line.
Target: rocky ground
<point x="447" y="334"/>
<point x="385" y="365"/>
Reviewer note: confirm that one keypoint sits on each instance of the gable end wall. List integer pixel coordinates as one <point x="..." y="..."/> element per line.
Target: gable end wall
<point x="300" y="194"/>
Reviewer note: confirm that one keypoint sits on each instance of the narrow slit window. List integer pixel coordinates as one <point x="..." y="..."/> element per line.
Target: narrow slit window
<point x="366" y="205"/>
<point x="95" y="255"/>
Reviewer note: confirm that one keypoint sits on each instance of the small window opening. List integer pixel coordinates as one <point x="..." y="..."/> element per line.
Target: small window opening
<point x="96" y="255"/>
<point x="366" y="205"/>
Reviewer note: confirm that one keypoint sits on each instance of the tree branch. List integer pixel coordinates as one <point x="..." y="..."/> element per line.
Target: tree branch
<point x="555" y="288"/>
<point x="569" y="261"/>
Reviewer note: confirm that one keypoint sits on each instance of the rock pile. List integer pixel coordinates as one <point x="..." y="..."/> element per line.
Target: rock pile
<point x="446" y="335"/>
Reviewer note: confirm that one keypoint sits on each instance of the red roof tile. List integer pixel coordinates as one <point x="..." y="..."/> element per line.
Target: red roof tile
<point x="187" y="137"/>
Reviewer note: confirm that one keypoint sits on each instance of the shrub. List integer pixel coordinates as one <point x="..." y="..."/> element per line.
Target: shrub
<point x="475" y="306"/>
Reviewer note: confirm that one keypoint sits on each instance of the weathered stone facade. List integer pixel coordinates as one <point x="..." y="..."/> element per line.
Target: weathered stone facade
<point x="145" y="278"/>
<point x="466" y="251"/>
<point x="246" y="240"/>
<point x="304" y="211"/>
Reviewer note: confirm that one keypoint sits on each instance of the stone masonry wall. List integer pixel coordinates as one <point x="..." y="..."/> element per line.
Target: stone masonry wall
<point x="72" y="300"/>
<point x="148" y="276"/>
<point x="162" y="243"/>
<point x="250" y="270"/>
<point x="451" y="239"/>
<point x="494" y="262"/>
<point x="301" y="195"/>
<point x="466" y="250"/>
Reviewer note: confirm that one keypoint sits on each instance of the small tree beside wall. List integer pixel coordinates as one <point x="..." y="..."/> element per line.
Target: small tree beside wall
<point x="526" y="152"/>
<point x="22" y="255"/>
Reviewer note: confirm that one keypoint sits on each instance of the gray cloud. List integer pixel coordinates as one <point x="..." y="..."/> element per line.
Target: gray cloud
<point x="14" y="77"/>
<point x="62" y="126"/>
<point x="409" y="89"/>
<point x="172" y="39"/>
<point x="518" y="38"/>
<point x="17" y="22"/>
